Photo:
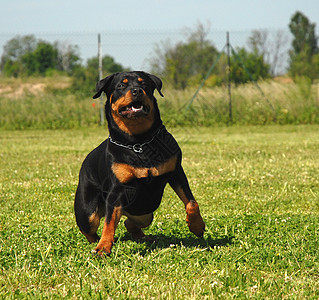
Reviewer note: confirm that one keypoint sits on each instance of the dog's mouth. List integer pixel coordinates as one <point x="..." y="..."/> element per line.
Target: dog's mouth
<point x="134" y="110"/>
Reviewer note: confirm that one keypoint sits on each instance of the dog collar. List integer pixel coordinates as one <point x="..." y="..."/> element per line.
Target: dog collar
<point x="137" y="148"/>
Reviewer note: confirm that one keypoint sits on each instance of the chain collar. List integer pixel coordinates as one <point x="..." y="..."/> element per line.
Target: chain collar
<point x="137" y="148"/>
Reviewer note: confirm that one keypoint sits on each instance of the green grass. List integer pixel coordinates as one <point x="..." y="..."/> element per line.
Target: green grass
<point x="47" y="103"/>
<point x="258" y="190"/>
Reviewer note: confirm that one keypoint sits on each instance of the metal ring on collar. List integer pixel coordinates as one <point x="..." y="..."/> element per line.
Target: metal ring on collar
<point x="137" y="148"/>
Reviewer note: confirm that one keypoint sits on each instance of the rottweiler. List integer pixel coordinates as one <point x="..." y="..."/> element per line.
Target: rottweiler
<point x="127" y="173"/>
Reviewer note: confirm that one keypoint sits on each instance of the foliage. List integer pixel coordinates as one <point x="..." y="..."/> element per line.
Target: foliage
<point x="26" y="56"/>
<point x="247" y="67"/>
<point x="18" y="47"/>
<point x="56" y="105"/>
<point x="186" y="61"/>
<point x="304" y="33"/>
<point x="304" y="56"/>
<point x="258" y="192"/>
<point x="86" y="77"/>
<point x="43" y="58"/>
<point x="272" y="47"/>
<point x="48" y="112"/>
<point x="303" y="65"/>
<point x="68" y="57"/>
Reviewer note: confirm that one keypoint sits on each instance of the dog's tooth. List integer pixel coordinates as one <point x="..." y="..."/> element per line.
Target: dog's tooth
<point x="137" y="109"/>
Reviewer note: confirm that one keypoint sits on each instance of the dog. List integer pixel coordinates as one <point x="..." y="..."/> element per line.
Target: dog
<point x="127" y="173"/>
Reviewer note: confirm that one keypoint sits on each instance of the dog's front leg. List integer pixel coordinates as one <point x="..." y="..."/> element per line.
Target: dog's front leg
<point x="180" y="185"/>
<point x="107" y="239"/>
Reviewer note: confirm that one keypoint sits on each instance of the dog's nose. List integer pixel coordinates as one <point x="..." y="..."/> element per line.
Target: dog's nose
<point x="136" y="92"/>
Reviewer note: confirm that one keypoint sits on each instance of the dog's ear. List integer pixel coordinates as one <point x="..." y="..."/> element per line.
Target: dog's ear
<point x="157" y="82"/>
<point x="103" y="85"/>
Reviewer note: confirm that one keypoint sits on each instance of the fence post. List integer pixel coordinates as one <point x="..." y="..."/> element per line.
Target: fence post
<point x="100" y="77"/>
<point x="229" y="79"/>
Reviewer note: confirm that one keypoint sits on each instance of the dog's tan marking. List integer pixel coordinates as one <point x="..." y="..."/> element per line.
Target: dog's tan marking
<point x="140" y="221"/>
<point x="194" y="219"/>
<point x="125" y="80"/>
<point x="166" y="167"/>
<point x="124" y="172"/>
<point x="132" y="126"/>
<point x="140" y="79"/>
<point x="134" y="225"/>
<point x="94" y="221"/>
<point x="107" y="239"/>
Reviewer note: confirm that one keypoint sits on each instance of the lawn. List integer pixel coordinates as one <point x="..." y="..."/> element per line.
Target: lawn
<point x="258" y="190"/>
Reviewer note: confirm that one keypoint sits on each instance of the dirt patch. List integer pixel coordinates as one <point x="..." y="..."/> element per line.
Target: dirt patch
<point x="18" y="89"/>
<point x="283" y="79"/>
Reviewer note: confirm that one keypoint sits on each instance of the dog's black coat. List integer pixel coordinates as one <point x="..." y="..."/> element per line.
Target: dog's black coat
<point x="130" y="169"/>
<point x="141" y="196"/>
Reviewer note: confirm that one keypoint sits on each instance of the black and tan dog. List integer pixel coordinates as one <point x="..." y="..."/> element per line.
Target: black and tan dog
<point x="126" y="174"/>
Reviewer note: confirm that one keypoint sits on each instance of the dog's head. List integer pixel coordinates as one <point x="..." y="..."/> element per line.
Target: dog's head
<point x="130" y="101"/>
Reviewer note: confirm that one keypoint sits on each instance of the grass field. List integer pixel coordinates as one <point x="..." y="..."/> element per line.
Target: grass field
<point x="49" y="103"/>
<point x="258" y="190"/>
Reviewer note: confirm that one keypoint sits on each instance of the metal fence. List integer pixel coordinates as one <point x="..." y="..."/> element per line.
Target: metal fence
<point x="135" y="48"/>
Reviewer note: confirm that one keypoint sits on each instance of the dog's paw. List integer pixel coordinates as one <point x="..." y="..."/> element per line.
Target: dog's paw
<point x="144" y="239"/>
<point x="197" y="227"/>
<point x="194" y="220"/>
<point x="140" y="237"/>
<point x="102" y="250"/>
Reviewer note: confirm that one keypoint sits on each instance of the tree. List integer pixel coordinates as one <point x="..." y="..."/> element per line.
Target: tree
<point x="42" y="59"/>
<point x="185" y="61"/>
<point x="246" y="66"/>
<point x="12" y="68"/>
<point x="303" y="55"/>
<point x="301" y="67"/>
<point x="86" y="77"/>
<point x="68" y="57"/>
<point x="17" y="47"/>
<point x="279" y="53"/>
<point x="25" y="55"/>
<point x="304" y="34"/>
<point x="258" y="42"/>
<point x="271" y="46"/>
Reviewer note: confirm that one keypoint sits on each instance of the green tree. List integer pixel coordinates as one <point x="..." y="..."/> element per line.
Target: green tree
<point x="85" y="77"/>
<point x="42" y="59"/>
<point x="304" y="33"/>
<point x="302" y="67"/>
<point x="247" y="66"/>
<point x="185" y="62"/>
<point x="17" y="47"/>
<point x="25" y="55"/>
<point x="12" y="68"/>
<point x="13" y="50"/>
<point x="304" y="52"/>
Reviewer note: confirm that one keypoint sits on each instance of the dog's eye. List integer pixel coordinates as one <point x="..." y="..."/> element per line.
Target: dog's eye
<point x="121" y="86"/>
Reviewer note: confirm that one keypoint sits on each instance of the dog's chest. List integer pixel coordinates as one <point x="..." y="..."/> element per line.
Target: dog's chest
<point x="158" y="157"/>
<point x="125" y="172"/>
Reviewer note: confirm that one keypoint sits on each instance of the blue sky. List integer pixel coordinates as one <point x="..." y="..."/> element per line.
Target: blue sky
<point x="91" y="15"/>
<point x="70" y="16"/>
